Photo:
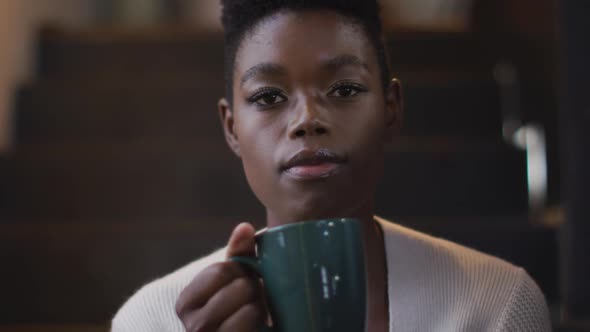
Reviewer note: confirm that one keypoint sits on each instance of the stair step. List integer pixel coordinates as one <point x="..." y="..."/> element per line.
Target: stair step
<point x="466" y="108"/>
<point x="124" y="184"/>
<point x="5" y="175"/>
<point x="155" y="181"/>
<point x="114" y="114"/>
<point x="437" y="49"/>
<point x="471" y="180"/>
<point x="86" y="52"/>
<point x="105" y="327"/>
<point x="63" y="53"/>
<point x="80" y="273"/>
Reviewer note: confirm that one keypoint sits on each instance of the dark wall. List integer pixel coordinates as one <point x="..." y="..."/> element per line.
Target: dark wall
<point x="575" y="117"/>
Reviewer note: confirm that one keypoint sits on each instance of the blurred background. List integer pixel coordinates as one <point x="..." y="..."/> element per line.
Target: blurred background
<point x="114" y="171"/>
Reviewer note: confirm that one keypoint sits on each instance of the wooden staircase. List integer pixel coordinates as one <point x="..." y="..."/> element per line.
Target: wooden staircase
<point x="121" y="174"/>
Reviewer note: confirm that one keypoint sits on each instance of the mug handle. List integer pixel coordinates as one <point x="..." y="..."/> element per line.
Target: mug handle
<point x="253" y="264"/>
<point x="250" y="262"/>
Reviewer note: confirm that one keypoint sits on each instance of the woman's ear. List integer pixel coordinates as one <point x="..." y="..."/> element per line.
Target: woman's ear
<point x="394" y="108"/>
<point x="227" y="122"/>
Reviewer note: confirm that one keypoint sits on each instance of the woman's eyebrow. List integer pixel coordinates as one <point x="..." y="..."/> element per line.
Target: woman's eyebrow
<point x="265" y="68"/>
<point x="335" y="63"/>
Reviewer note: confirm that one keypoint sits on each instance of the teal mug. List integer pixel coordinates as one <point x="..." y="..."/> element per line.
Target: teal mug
<point x="314" y="275"/>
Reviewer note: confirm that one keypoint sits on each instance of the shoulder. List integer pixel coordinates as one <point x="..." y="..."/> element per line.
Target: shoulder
<point x="450" y="281"/>
<point x="525" y="309"/>
<point x="405" y="244"/>
<point x="417" y="247"/>
<point x="151" y="308"/>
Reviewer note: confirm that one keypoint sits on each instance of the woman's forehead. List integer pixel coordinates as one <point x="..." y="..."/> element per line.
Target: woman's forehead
<point x="296" y="40"/>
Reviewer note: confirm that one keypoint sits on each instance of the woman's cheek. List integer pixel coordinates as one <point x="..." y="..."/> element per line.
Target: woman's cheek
<point x="259" y="172"/>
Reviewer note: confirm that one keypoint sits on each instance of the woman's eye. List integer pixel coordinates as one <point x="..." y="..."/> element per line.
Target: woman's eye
<point x="348" y="90"/>
<point x="268" y="98"/>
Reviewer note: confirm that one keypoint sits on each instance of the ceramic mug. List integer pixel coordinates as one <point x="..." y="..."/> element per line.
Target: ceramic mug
<point x="314" y="275"/>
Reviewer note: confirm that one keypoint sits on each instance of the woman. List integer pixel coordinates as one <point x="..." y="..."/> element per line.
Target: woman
<point x="309" y="108"/>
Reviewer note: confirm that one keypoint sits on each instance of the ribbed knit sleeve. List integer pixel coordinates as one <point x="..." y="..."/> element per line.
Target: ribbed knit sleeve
<point x="152" y="308"/>
<point x="526" y="309"/>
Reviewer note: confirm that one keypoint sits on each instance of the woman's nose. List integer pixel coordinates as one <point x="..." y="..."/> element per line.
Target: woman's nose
<point x="308" y="122"/>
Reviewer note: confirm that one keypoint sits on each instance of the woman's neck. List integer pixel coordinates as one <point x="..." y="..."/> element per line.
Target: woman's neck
<point x="363" y="212"/>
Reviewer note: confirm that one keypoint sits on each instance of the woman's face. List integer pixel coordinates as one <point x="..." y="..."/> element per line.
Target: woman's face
<point x="309" y="118"/>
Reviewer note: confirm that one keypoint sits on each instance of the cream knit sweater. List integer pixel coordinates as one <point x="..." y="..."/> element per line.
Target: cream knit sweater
<point x="434" y="285"/>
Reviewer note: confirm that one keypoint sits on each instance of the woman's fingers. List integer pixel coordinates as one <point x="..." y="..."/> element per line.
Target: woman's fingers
<point x="217" y="276"/>
<point x="242" y="241"/>
<point x="230" y="299"/>
<point x="225" y="296"/>
<point x="206" y="284"/>
<point x="247" y="319"/>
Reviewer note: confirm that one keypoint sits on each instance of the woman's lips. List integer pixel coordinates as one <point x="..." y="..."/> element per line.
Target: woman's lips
<point x="316" y="171"/>
<point x="313" y="164"/>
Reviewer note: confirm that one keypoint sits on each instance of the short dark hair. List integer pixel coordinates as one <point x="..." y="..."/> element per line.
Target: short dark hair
<point x="239" y="16"/>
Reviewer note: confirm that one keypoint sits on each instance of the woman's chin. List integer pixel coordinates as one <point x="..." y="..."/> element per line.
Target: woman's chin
<point x="295" y="216"/>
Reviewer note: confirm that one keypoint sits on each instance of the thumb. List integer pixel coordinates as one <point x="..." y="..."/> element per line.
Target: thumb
<point x="242" y="241"/>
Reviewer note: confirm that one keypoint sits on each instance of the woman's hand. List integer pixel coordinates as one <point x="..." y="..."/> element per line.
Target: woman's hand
<point x="225" y="296"/>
